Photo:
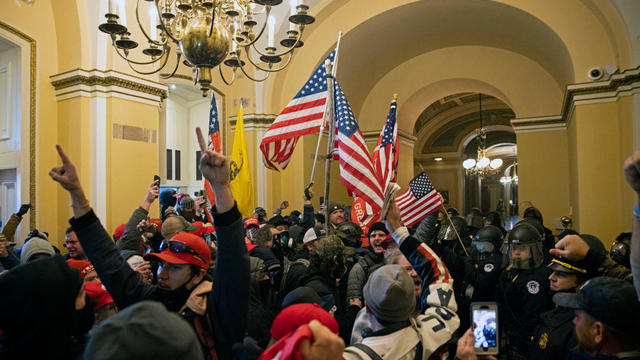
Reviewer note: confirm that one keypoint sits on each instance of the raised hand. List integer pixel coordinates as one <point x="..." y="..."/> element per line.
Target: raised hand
<point x="325" y="346"/>
<point x="152" y="194"/>
<point x="632" y="171"/>
<point x="571" y="247"/>
<point x="213" y="165"/>
<point x="215" y="168"/>
<point x="24" y="208"/>
<point x="393" y="220"/>
<point x="66" y="174"/>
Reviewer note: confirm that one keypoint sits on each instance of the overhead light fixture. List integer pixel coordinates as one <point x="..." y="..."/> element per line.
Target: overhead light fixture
<point x="482" y="165"/>
<point x="437" y="158"/>
<point x="208" y="33"/>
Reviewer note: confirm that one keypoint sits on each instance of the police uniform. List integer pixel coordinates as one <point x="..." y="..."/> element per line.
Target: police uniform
<point x="554" y="336"/>
<point x="523" y="291"/>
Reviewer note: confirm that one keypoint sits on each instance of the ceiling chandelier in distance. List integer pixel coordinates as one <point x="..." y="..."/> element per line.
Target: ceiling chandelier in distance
<point x="209" y="33"/>
<point x="482" y="165"/>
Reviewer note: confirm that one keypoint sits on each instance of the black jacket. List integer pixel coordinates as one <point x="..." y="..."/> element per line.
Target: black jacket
<point x="554" y="336"/>
<point x="522" y="296"/>
<point x="227" y="304"/>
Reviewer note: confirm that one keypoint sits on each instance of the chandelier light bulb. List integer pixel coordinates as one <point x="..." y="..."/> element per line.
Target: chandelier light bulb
<point x="484" y="162"/>
<point x="496" y="163"/>
<point x="469" y="163"/>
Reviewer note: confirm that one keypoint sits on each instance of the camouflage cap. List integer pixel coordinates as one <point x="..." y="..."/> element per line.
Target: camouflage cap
<point x="331" y="246"/>
<point x="333" y="206"/>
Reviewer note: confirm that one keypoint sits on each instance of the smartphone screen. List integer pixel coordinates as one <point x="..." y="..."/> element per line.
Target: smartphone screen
<point x="485" y="327"/>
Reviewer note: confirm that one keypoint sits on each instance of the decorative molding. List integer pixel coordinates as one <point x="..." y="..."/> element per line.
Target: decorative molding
<point x="253" y="122"/>
<point x="403" y="137"/>
<point x="98" y="83"/>
<point x="626" y="83"/>
<point x="542" y="123"/>
<point x="33" y="64"/>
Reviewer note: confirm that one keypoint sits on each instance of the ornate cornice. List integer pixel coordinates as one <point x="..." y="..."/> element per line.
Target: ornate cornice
<point x="93" y="83"/>
<point x="543" y="123"/>
<point x="403" y="137"/>
<point x="618" y="85"/>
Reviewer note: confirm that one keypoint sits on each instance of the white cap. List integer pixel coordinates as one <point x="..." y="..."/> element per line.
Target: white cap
<point x="309" y="236"/>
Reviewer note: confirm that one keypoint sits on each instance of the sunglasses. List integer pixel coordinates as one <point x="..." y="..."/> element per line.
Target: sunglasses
<point x="179" y="247"/>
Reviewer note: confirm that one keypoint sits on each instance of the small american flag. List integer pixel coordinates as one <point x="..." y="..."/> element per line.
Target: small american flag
<point x="420" y="200"/>
<point x="303" y="115"/>
<point x="356" y="169"/>
<point x="214" y="144"/>
<point x="385" y="155"/>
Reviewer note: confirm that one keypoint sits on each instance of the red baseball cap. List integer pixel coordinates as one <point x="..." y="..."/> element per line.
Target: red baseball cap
<point x="96" y="291"/>
<point x="192" y="242"/>
<point x="84" y="267"/>
<point x="296" y="315"/>
<point x="251" y="221"/>
<point x="202" y="229"/>
<point x="157" y="223"/>
<point x="118" y="232"/>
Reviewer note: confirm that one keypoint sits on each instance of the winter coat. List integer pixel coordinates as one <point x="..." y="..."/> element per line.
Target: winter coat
<point x="226" y="307"/>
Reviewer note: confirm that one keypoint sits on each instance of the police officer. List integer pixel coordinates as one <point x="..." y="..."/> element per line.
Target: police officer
<point x="474" y="220"/>
<point x="553" y="338"/>
<point x="523" y="288"/>
<point x="482" y="268"/>
<point x="621" y="250"/>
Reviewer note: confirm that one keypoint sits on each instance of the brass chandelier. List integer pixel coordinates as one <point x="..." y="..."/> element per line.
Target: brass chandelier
<point x="482" y="165"/>
<point x="209" y="33"/>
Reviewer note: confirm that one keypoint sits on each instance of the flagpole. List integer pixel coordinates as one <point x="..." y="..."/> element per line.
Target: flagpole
<point x="450" y="222"/>
<point x="330" y="141"/>
<point x="315" y="157"/>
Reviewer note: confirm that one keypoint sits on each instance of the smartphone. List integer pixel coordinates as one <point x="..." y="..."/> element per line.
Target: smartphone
<point x="484" y="324"/>
<point x="156" y="178"/>
<point x="321" y="200"/>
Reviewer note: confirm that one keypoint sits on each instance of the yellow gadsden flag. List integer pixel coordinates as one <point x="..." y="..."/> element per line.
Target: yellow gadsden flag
<point x="241" y="185"/>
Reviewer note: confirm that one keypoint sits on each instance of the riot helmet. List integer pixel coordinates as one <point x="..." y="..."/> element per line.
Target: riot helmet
<point x="493" y="218"/>
<point x="487" y="240"/>
<point x="621" y="250"/>
<point x="474" y="218"/>
<point x="350" y="234"/>
<point x="447" y="232"/>
<point x="533" y="213"/>
<point x="524" y="246"/>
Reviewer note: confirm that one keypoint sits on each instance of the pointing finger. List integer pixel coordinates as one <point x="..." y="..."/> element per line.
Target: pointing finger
<point x="63" y="156"/>
<point x="203" y="144"/>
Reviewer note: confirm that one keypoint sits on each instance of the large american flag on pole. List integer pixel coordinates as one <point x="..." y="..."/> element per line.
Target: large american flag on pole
<point x="303" y="115"/>
<point x="356" y="169"/>
<point x="420" y="200"/>
<point x="214" y="144"/>
<point x="385" y="155"/>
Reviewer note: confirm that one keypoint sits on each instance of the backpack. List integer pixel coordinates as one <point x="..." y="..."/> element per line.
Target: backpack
<point x="287" y="266"/>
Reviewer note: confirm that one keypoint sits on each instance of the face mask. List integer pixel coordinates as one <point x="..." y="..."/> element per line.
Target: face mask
<point x="173" y="300"/>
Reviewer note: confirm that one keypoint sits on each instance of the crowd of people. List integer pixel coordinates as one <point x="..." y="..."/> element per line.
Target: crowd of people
<point x="205" y="283"/>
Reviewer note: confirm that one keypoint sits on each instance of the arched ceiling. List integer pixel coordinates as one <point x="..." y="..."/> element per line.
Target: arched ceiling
<point x="404" y="32"/>
<point x="445" y="125"/>
<point x="556" y="42"/>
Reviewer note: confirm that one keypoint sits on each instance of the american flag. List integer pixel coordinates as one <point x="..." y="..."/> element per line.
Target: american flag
<point x="385" y="155"/>
<point x="420" y="200"/>
<point x="356" y="169"/>
<point x="214" y="144"/>
<point x="303" y="115"/>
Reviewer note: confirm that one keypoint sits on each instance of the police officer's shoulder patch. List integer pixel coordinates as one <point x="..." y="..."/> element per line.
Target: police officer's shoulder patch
<point x="488" y="267"/>
<point x="533" y="287"/>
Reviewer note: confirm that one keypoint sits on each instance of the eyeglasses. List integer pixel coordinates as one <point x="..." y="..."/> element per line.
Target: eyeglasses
<point x="179" y="247"/>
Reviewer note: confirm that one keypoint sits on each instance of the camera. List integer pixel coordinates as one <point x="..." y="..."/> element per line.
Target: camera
<point x="595" y="73"/>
